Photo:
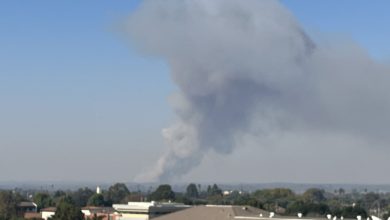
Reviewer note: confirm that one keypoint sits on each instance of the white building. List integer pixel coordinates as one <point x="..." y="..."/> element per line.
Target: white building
<point x="48" y="212"/>
<point x="145" y="210"/>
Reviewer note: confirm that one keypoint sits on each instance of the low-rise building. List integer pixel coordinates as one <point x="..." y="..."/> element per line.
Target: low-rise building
<point x="46" y="213"/>
<point x="32" y="215"/>
<point x="104" y="213"/>
<point x="24" y="207"/>
<point x="145" y="210"/>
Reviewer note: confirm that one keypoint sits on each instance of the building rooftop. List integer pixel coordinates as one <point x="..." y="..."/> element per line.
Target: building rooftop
<point x="218" y="212"/>
<point x="49" y="209"/>
<point x="32" y="215"/>
<point x="96" y="209"/>
<point x="211" y="212"/>
<point x="147" y="207"/>
<point x="27" y="204"/>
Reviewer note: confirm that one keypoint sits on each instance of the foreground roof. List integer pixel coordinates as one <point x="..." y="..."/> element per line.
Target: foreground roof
<point x="218" y="212"/>
<point x="211" y="212"/>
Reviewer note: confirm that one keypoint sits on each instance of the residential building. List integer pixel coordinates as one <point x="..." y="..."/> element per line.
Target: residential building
<point x="32" y="215"/>
<point x="105" y="213"/>
<point x="25" y="207"/>
<point x="48" y="212"/>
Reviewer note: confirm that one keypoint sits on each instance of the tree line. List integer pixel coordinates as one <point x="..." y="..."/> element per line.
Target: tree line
<point x="313" y="202"/>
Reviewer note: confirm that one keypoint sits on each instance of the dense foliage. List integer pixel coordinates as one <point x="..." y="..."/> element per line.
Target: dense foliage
<point x="67" y="210"/>
<point x="283" y="201"/>
<point x="163" y="193"/>
<point x="96" y="200"/>
<point x="8" y="204"/>
<point x="116" y="193"/>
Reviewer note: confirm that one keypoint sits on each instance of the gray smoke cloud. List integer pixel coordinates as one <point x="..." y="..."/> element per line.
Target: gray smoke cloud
<point x="247" y="68"/>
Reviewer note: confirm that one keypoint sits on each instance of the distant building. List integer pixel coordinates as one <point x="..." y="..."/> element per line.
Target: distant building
<point x="105" y="213"/>
<point x="145" y="210"/>
<point x="230" y="192"/>
<point x="226" y="192"/>
<point x="25" y="207"/>
<point x="46" y="213"/>
<point x="32" y="215"/>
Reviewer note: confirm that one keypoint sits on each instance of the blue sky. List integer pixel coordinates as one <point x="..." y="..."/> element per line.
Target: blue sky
<point x="73" y="92"/>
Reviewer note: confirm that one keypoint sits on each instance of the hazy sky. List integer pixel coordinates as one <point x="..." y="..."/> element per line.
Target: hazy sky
<point x="79" y="103"/>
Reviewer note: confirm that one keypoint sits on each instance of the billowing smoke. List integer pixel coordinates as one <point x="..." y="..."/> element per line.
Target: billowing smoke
<point x="247" y="68"/>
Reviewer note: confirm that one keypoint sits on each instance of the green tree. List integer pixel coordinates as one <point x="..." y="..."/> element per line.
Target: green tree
<point x="43" y="200"/>
<point x="58" y="196"/>
<point x="316" y="209"/>
<point x="341" y="191"/>
<point x="371" y="200"/>
<point x="352" y="212"/>
<point x="214" y="190"/>
<point x="163" y="193"/>
<point x="192" y="191"/>
<point x="296" y="207"/>
<point x="278" y="197"/>
<point x="81" y="196"/>
<point x="308" y="208"/>
<point x="96" y="200"/>
<point x="314" y="195"/>
<point x="117" y="193"/>
<point x="237" y="198"/>
<point x="8" y="204"/>
<point x="67" y="210"/>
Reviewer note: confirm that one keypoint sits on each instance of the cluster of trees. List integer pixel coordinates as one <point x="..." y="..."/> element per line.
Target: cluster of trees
<point x="68" y="203"/>
<point x="313" y="202"/>
<point x="8" y="204"/>
<point x="116" y="193"/>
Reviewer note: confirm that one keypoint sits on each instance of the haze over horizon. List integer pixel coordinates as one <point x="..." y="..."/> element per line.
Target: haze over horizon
<point x="82" y="101"/>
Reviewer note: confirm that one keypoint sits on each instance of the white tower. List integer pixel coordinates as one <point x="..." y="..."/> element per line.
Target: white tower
<point x="98" y="190"/>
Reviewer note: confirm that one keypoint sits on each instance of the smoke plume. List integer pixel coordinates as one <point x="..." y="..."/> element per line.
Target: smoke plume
<point x="248" y="68"/>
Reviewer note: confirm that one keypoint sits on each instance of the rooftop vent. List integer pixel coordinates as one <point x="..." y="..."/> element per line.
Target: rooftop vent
<point x="300" y="215"/>
<point x="271" y="214"/>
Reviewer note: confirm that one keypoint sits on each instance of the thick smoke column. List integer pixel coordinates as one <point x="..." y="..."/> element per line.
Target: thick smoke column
<point x="247" y="67"/>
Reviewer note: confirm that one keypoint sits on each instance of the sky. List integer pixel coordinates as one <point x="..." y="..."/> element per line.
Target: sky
<point x="78" y="102"/>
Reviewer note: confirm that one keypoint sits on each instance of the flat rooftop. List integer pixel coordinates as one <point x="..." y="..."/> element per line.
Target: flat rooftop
<point x="148" y="207"/>
<point x="220" y="212"/>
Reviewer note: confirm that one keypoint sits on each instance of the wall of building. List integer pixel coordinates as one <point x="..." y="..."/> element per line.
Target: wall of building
<point x="46" y="215"/>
